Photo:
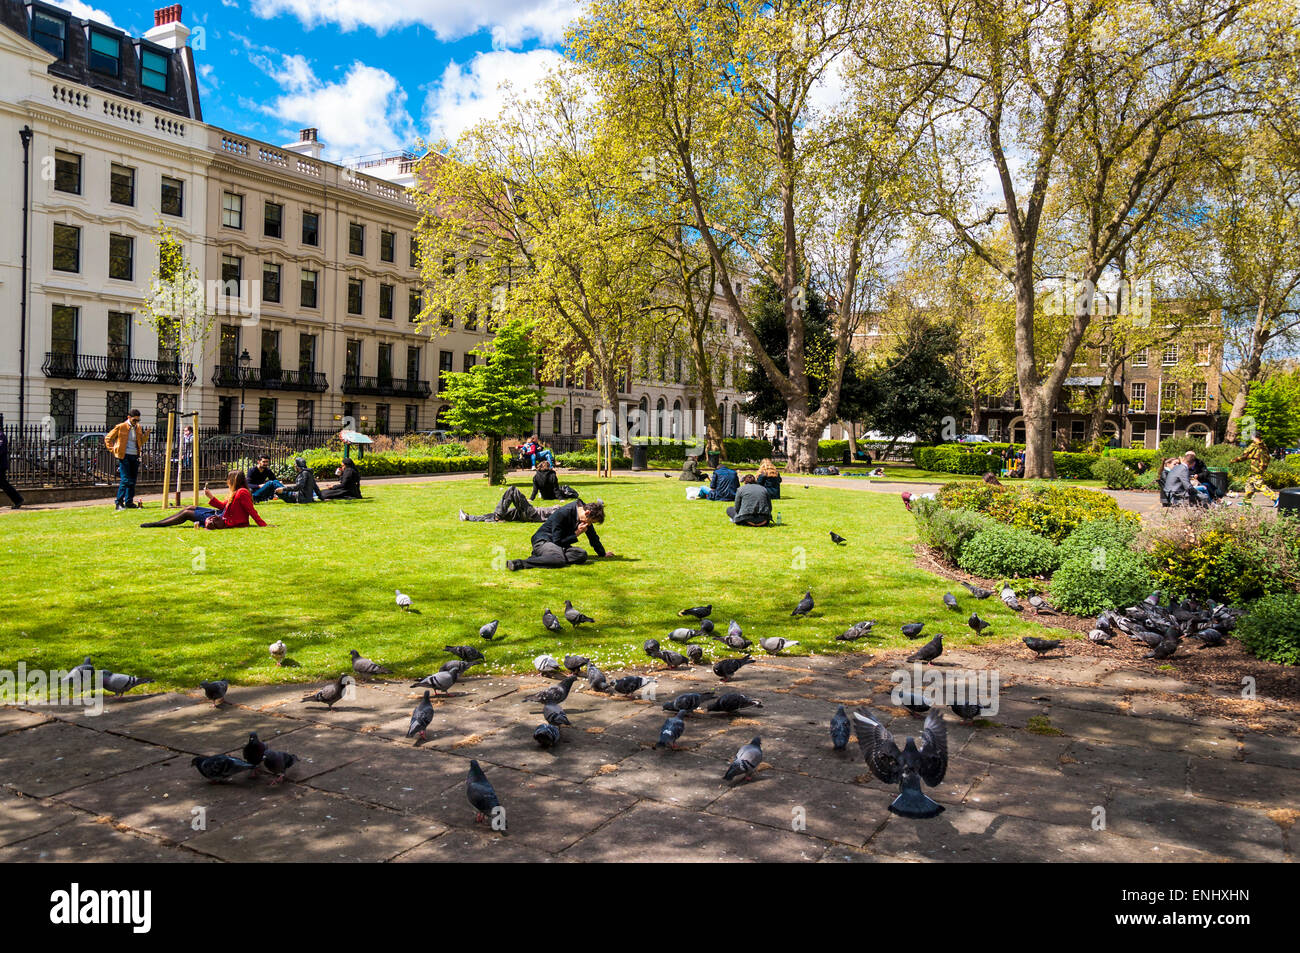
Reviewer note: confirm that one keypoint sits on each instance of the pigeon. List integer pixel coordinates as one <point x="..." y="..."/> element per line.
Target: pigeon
<point x="575" y="617"/>
<point x="555" y="715"/>
<point x="977" y="592"/>
<point x="951" y="601"/>
<point x="1008" y="596"/>
<point x="548" y="736"/>
<point x="482" y="796"/>
<point x="457" y="665"/>
<point x="914" y="703"/>
<point x="576" y="663"/>
<point x="671" y="731"/>
<point x="727" y="668"/>
<point x="735" y="642"/>
<point x="913" y="629"/>
<point x="596" y="679"/>
<point x="439" y="681"/>
<point x="220" y="767"/>
<point x="631" y="684"/>
<point x="1100" y="635"/>
<point x="840" y="729"/>
<point x="546" y="665"/>
<point x="421" y="717"/>
<point x="733" y="702"/>
<point x="1041" y="646"/>
<point x="255" y="750"/>
<point x="1040" y="605"/>
<point x="119" y="684"/>
<point x="857" y="630"/>
<point x="1164" y="650"/>
<point x="774" y="644"/>
<point x="556" y="693"/>
<point x="489" y="630"/>
<point x="746" y="762"/>
<point x="403" y="600"/>
<point x="928" y="652"/>
<point x="81" y="673"/>
<point x="278" y="651"/>
<point x="1153" y="599"/>
<point x="909" y="767"/>
<point x="733" y="628"/>
<point x="1209" y="638"/>
<point x="966" y="712"/>
<point x="331" y="695"/>
<point x="837" y="539"/>
<point x="706" y="626"/>
<point x="651" y="648"/>
<point x="278" y="763"/>
<point x="683" y="635"/>
<point x="977" y="624"/>
<point x="698" y="611"/>
<point x="696" y="654"/>
<point x="805" y="605"/>
<point x="216" y="691"/>
<point x="688" y="701"/>
<point x="363" y="666"/>
<point x="673" y="659"/>
<point x="465" y="652"/>
<point x="550" y="621"/>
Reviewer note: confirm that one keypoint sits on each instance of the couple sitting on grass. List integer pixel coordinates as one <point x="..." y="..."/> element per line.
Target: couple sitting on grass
<point x="263" y="484"/>
<point x="231" y="513"/>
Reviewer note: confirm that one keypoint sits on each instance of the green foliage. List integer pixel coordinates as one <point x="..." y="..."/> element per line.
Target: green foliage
<point x="1131" y="458"/>
<point x="1114" y="474"/>
<point x="947" y="530"/>
<point x="323" y="463"/>
<point x="1092" y="579"/>
<point x="587" y="461"/>
<point x="1274" y="405"/>
<point x="1048" y="509"/>
<point x="914" y="389"/>
<point x="1075" y="466"/>
<point x="1000" y="550"/>
<point x="956" y="458"/>
<point x="735" y="449"/>
<point x="1281" y="475"/>
<point x="1231" y="555"/>
<point x="1099" y="534"/>
<point x="1271" y="629"/>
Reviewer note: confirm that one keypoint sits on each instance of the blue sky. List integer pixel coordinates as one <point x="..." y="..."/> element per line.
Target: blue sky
<point x="371" y="75"/>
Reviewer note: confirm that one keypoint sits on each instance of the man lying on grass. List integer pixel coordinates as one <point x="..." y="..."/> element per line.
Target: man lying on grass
<point x="553" y="543"/>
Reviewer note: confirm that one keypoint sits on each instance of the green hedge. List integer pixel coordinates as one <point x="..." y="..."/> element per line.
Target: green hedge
<point x="1114" y="474"/>
<point x="1271" y="629"/>
<point x="737" y="449"/>
<point x="956" y="458"/>
<point x="999" y="550"/>
<point x="323" y="463"/>
<point x="587" y="461"/>
<point x="1048" y="509"/>
<point x="1090" y="580"/>
<point x="947" y="530"/>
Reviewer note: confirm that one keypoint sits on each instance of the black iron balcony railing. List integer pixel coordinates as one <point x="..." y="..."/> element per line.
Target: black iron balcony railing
<point x="100" y="367"/>
<point x="386" y="386"/>
<point x="259" y="378"/>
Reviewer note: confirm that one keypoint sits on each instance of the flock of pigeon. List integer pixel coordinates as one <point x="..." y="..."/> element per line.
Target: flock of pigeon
<point x="1160" y="627"/>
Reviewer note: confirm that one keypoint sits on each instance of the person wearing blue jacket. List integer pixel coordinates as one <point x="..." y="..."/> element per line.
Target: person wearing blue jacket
<point x="724" y="484"/>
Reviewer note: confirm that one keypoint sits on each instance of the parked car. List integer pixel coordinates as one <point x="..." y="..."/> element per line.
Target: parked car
<point x="973" y="438"/>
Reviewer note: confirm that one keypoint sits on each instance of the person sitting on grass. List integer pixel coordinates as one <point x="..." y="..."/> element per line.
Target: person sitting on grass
<point x="877" y="472"/>
<point x="769" y="478"/>
<point x="262" y="482"/>
<point x="691" y="470"/>
<point x="553" y="543"/>
<point x="231" y="513"/>
<point x="723" y="486"/>
<point x="544" y="455"/>
<point x="546" y="482"/>
<point x="304" y="489"/>
<point x="753" y="505"/>
<point x="349" y="485"/>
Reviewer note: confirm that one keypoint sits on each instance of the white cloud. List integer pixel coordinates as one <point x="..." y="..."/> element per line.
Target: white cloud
<point x="363" y="112"/>
<point x="83" y="11"/>
<point x="510" y="22"/>
<point x="468" y="94"/>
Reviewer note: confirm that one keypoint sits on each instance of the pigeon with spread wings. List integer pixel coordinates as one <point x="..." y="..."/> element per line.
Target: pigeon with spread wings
<point x="909" y="767"/>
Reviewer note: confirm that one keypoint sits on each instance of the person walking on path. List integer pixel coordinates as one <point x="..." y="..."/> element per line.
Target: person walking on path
<point x="15" y="497"/>
<point x="125" y="442"/>
<point x="1257" y="455"/>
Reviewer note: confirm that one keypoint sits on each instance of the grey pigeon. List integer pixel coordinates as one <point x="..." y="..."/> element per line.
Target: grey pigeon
<point x="695" y="653"/>
<point x="673" y="659"/>
<point x="1209" y="638"/>
<point x="482" y="796"/>
<point x="913" y="629"/>
<point x="733" y="702"/>
<point x="733" y="628"/>
<point x="837" y="539"/>
<point x="220" y="767"/>
<point x="121" y="684"/>
<point x="951" y="601"/>
<point x="546" y="665"/>
<point x="466" y="653"/>
<point x="706" y="626"/>
<point x="966" y="712"/>
<point x="856" y="631"/>
<point x="551" y="622"/>
<point x="1041" y="646"/>
<point x="1100" y="635"/>
<point x="688" y="701"/>
<point x="596" y="679"/>
<point x="774" y="644"/>
<point x="555" y="715"/>
<point x="805" y="605"/>
<point x="254" y="750"/>
<point x="548" y="736"/>
<point x="651" y="648"/>
<point x="576" y="663"/>
<point x="727" y="668"/>
<point x="840" y="729"/>
<point x="421" y="717"/>
<point x="746" y="762"/>
<point x="364" y="666"/>
<point x="671" y="731"/>
<point x="977" y="624"/>
<point x="735" y="642"/>
<point x="575" y="617"/>
<point x="698" y="611"/>
<point x="928" y="652"/>
<point x="556" y="693"/>
<point x="978" y="592"/>
<point x="683" y="635"/>
<point x="278" y="763"/>
<point x="489" y="630"/>
<point x="82" y="674"/>
<point x="909" y="767"/>
<point x="1040" y="605"/>
<point x="1008" y="596"/>
<point x="631" y="684"/>
<point x="1164" y="650"/>
<point x="457" y="665"/>
<point x="330" y="695"/>
<point x="914" y="703"/>
<point x="439" y="681"/>
<point x="215" y="691"/>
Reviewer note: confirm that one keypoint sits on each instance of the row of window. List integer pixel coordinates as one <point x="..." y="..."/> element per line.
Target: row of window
<point x="1078" y="429"/>
<point x="66" y="253"/>
<point x="273" y="222"/>
<point x="68" y="177"/>
<point x="1168" y="355"/>
<point x="49" y="31"/>
<point x="1168" y="396"/>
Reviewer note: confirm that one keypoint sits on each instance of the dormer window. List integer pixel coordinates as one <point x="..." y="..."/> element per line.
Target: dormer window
<point x="49" y="32"/>
<point x="105" y="54"/>
<point x="153" y="70"/>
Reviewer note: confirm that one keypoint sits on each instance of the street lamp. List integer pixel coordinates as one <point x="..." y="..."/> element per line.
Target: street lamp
<point x="244" y="360"/>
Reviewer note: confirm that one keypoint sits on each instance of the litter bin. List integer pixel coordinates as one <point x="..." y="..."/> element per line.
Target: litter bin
<point x="639" y="455"/>
<point x="1219" y="477"/>
<point x="1288" y="501"/>
<point x="847" y="457"/>
<point x="714" y="458"/>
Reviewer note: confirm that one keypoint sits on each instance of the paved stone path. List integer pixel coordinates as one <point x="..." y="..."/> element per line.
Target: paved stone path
<point x="1105" y="743"/>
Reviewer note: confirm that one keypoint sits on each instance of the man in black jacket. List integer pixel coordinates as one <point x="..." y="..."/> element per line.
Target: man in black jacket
<point x="262" y="482"/>
<point x="513" y="508"/>
<point x="547" y="483"/>
<point x="349" y="485"/>
<point x="553" y="543"/>
<point x="304" y="489"/>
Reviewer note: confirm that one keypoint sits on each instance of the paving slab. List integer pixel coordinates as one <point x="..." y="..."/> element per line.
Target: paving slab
<point x="831" y="810"/>
<point x="471" y="847"/>
<point x="16" y="719"/>
<point x="24" y="817"/>
<point x="1262" y="785"/>
<point x="95" y="841"/>
<point x="1281" y="752"/>
<point x="1160" y="773"/>
<point x="396" y="777"/>
<point x="1226" y="830"/>
<point x="581" y="754"/>
<point x="56" y="756"/>
<point x="1038" y="793"/>
<point x="204" y="730"/>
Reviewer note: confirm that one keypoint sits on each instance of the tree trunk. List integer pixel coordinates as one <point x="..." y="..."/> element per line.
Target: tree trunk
<point x="1249" y="375"/>
<point x="1039" y="462"/>
<point x="801" y="436"/>
<point x="496" y="461"/>
<point x="853" y="441"/>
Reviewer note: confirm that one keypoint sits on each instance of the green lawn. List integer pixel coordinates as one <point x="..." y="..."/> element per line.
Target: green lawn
<point x="183" y="604"/>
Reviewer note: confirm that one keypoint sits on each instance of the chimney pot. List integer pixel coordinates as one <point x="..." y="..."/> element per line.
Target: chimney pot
<point x="308" y="135"/>
<point x="170" y="14"/>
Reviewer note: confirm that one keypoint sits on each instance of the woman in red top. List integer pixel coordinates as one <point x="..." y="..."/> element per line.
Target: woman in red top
<point x="234" y="512"/>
